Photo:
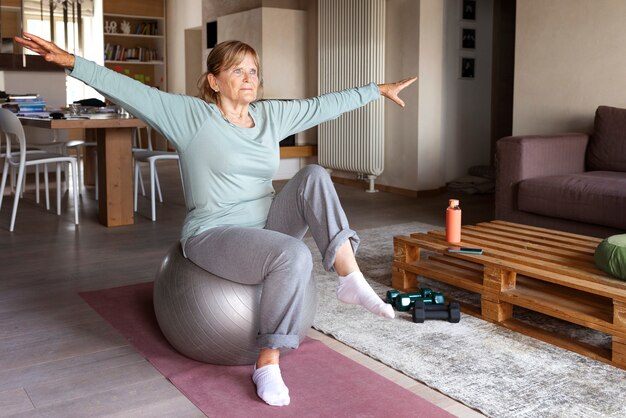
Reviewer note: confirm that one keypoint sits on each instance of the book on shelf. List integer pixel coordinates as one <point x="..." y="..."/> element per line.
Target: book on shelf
<point x="42" y="114"/>
<point x="119" y="53"/>
<point x="40" y="105"/>
<point x="22" y="97"/>
<point x="147" y="28"/>
<point x="32" y="109"/>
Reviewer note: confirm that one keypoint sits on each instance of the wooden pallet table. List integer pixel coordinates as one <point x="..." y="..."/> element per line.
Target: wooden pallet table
<point x="543" y="270"/>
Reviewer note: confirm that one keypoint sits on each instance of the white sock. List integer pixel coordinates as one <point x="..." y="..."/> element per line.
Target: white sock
<point x="270" y="386"/>
<point x="355" y="290"/>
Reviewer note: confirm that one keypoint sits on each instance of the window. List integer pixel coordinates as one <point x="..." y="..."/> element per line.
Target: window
<point x="65" y="15"/>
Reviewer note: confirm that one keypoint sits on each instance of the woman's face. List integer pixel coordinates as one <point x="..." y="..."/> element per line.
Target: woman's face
<point x="239" y="83"/>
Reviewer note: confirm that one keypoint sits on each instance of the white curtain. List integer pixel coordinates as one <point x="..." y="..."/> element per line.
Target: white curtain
<point x="64" y="18"/>
<point x="44" y="8"/>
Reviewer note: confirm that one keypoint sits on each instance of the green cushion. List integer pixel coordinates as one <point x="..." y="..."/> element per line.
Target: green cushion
<point x="610" y="256"/>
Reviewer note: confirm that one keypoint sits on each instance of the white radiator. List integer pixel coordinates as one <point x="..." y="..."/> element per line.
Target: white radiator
<point x="351" y="54"/>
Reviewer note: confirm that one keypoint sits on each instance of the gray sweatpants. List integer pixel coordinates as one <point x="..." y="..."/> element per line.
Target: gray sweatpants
<point x="276" y="255"/>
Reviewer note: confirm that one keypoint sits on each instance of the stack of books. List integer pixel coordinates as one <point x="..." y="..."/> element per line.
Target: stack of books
<point x="26" y="103"/>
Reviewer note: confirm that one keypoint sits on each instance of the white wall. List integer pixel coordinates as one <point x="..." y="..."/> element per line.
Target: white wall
<point x="445" y="127"/>
<point x="48" y="84"/>
<point x="194" y="65"/>
<point x="570" y="57"/>
<point x="284" y="53"/>
<point x="466" y="116"/>
<point x="181" y="15"/>
<point x="401" y="124"/>
<point x="430" y="107"/>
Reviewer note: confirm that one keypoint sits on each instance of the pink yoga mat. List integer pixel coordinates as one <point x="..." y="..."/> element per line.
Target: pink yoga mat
<point x="322" y="382"/>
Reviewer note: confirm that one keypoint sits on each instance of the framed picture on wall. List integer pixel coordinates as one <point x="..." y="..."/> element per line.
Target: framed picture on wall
<point x="468" y="68"/>
<point x="468" y="38"/>
<point x="469" y="10"/>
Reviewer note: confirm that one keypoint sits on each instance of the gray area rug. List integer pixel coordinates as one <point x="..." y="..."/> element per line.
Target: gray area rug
<point x="489" y="368"/>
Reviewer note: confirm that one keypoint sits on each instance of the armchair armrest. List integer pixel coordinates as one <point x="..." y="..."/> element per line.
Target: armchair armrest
<point x="522" y="157"/>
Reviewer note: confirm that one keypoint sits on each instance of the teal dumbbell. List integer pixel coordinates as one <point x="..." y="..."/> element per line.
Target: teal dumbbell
<point x="404" y="302"/>
<point x="392" y="295"/>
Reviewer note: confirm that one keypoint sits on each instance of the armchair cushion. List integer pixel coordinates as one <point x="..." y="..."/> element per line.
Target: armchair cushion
<point x="607" y="146"/>
<point x="596" y="197"/>
<point x="523" y="157"/>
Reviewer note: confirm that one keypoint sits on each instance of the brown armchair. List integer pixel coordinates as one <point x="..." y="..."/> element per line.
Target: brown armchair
<point x="572" y="182"/>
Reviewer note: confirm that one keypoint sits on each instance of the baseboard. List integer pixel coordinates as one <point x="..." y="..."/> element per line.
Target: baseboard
<point x="389" y="189"/>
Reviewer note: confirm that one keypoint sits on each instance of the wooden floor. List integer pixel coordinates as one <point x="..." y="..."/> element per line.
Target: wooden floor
<point x="60" y="359"/>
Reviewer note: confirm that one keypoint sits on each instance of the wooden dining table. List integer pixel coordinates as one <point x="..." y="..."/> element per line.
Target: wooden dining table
<point x="113" y="134"/>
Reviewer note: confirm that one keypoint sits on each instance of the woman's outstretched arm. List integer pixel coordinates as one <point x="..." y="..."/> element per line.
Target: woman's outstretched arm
<point x="293" y="116"/>
<point x="176" y="116"/>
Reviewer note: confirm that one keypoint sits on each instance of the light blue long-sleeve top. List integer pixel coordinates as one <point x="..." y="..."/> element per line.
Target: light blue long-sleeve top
<point x="227" y="170"/>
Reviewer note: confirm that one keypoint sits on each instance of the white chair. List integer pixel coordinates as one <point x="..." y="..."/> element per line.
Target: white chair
<point x="151" y="157"/>
<point x="12" y="170"/>
<point x="55" y="141"/>
<point x="12" y="130"/>
<point x="81" y="145"/>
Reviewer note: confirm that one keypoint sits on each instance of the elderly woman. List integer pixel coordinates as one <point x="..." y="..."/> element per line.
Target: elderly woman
<point x="237" y="227"/>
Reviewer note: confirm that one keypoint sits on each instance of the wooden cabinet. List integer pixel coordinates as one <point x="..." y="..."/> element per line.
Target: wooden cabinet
<point x="134" y="40"/>
<point x="10" y="25"/>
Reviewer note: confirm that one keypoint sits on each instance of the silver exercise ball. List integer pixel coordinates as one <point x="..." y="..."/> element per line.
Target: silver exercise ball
<point x="211" y="319"/>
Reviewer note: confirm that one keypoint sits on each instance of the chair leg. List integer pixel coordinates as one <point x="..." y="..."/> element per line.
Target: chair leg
<point x="143" y="190"/>
<point x="23" y="185"/>
<point x="4" y="181"/>
<point x="18" y="191"/>
<point x="79" y="148"/>
<point x="47" y="185"/>
<point x="97" y="181"/>
<point x="62" y="149"/>
<point x="156" y="180"/>
<point x="152" y="186"/>
<point x="12" y="181"/>
<point x="136" y="185"/>
<point x="59" y="188"/>
<point x="37" y="183"/>
<point x="75" y="169"/>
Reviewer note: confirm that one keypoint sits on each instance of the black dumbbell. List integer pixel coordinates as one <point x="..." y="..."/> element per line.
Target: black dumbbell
<point x="423" y="311"/>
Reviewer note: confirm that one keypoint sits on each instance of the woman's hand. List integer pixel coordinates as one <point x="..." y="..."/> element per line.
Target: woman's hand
<point x="49" y="51"/>
<point x="391" y="90"/>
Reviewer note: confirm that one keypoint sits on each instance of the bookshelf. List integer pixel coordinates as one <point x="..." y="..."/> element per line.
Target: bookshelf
<point x="134" y="40"/>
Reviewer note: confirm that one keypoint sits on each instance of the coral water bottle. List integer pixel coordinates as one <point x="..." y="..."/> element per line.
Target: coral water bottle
<point x="453" y="222"/>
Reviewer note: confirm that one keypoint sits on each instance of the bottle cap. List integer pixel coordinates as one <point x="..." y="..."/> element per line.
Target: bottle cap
<point x="453" y="202"/>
